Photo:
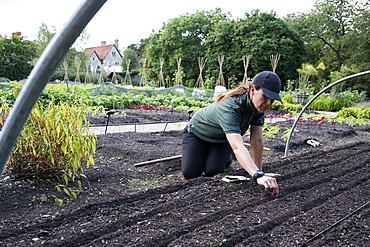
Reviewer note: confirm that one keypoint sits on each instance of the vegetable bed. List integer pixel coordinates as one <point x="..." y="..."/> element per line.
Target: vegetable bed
<point x="324" y="192"/>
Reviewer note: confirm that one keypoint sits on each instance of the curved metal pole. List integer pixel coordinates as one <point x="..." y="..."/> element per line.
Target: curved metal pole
<point x="41" y="74"/>
<point x="309" y="102"/>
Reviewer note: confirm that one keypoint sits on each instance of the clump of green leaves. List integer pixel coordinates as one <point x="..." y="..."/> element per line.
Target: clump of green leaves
<point x="43" y="198"/>
<point x="356" y="112"/>
<point x="287" y="134"/>
<point x="55" y="145"/>
<point x="354" y="116"/>
<point x="270" y="131"/>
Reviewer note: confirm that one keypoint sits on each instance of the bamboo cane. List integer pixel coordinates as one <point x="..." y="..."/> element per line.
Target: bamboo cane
<point x="264" y="148"/>
<point x="157" y="160"/>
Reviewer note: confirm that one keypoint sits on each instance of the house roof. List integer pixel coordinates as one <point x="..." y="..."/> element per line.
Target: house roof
<point x="101" y="51"/>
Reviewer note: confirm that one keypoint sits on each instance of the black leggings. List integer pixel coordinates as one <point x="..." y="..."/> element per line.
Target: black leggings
<point x="199" y="156"/>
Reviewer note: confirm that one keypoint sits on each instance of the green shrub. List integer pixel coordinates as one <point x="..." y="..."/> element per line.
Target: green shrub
<point x="7" y="96"/>
<point x="330" y="104"/>
<point x="55" y="145"/>
<point x="354" y="112"/>
<point x="354" y="95"/>
<point x="365" y="113"/>
<point x="348" y="112"/>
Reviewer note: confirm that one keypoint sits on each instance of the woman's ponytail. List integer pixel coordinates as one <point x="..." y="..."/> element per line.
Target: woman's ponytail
<point x="240" y="90"/>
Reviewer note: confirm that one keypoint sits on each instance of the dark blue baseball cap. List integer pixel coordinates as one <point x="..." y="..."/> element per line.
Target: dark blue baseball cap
<point x="270" y="84"/>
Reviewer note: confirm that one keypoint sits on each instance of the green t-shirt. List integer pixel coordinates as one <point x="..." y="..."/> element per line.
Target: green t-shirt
<point x="232" y="115"/>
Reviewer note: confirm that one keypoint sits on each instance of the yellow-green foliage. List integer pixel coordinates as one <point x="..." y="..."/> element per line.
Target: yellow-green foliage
<point x="292" y="107"/>
<point x="356" y="112"/>
<point x="286" y="105"/>
<point x="288" y="99"/>
<point x="55" y="144"/>
<point x="277" y="105"/>
<point x="365" y="113"/>
<point x="330" y="104"/>
<point x="269" y="131"/>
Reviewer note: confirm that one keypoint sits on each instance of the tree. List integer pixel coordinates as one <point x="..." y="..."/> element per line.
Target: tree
<point x="184" y="38"/>
<point x="325" y="29"/>
<point x="220" y="43"/>
<point x="259" y="35"/>
<point x="74" y="55"/>
<point x="357" y="49"/>
<point x="134" y="47"/>
<point x="357" y="43"/>
<point x="129" y="54"/>
<point x="46" y="34"/>
<point x="16" y="55"/>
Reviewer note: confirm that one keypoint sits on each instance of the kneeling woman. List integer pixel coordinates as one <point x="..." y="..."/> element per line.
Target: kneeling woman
<point x="214" y="132"/>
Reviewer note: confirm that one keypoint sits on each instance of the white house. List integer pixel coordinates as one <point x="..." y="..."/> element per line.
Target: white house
<point x="105" y="56"/>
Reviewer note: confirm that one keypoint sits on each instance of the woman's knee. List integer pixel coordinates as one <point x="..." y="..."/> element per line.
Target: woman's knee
<point x="213" y="172"/>
<point x="190" y="174"/>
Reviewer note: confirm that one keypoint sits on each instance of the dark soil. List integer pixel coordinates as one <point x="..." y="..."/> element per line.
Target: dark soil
<point x="323" y="198"/>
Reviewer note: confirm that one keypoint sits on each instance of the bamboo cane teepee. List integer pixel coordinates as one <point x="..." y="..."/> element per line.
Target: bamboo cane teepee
<point x="87" y="75"/>
<point x="178" y="79"/>
<point x="127" y="80"/>
<point x="220" y="80"/>
<point x="274" y="61"/>
<point x="78" y="65"/>
<point x="246" y="60"/>
<point x="143" y="79"/>
<point x="114" y="78"/>
<point x="201" y="62"/>
<point x="101" y="76"/>
<point x="160" y="76"/>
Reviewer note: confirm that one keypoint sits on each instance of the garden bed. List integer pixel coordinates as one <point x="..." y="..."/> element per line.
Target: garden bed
<point x="154" y="205"/>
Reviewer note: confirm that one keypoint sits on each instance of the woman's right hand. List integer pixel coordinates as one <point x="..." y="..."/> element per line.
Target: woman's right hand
<point x="270" y="183"/>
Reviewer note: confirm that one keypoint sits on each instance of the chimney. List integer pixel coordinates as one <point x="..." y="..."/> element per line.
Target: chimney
<point x="17" y="33"/>
<point x="116" y="43"/>
<point x="103" y="43"/>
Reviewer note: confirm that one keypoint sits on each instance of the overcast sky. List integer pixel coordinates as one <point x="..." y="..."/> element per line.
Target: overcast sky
<point x="127" y="21"/>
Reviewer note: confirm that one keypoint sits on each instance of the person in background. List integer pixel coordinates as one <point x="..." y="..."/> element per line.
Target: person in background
<point x="214" y="132"/>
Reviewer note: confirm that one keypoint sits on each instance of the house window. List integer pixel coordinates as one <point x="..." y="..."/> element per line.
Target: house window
<point x="116" y="63"/>
<point x="113" y="54"/>
<point x="93" y="58"/>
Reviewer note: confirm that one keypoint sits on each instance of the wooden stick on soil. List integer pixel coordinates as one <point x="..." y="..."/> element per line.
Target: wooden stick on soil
<point x="157" y="160"/>
<point x="264" y="148"/>
<point x="149" y="162"/>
